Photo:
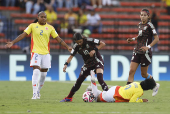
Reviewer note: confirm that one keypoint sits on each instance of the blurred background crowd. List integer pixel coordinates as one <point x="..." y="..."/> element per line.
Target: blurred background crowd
<point x="103" y="19"/>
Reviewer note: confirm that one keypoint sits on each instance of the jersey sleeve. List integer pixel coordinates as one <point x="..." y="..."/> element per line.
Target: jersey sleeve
<point x="135" y="97"/>
<point x="28" y="30"/>
<point x="54" y="34"/>
<point x="152" y="28"/>
<point x="74" y="50"/>
<point x="94" y="41"/>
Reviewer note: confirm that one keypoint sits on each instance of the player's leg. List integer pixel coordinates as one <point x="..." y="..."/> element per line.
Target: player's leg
<point x="35" y="63"/>
<point x="43" y="75"/>
<point x="95" y="91"/>
<point x="45" y="64"/>
<point x="99" y="73"/>
<point x="145" y="62"/>
<point x="133" y="67"/>
<point x="82" y="76"/>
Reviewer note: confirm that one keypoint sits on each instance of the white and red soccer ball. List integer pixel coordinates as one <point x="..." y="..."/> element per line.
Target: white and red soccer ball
<point x="86" y="97"/>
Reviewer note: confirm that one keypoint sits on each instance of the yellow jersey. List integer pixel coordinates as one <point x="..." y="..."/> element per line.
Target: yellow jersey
<point x="40" y="37"/>
<point x="129" y="93"/>
<point x="51" y="16"/>
<point x="167" y="2"/>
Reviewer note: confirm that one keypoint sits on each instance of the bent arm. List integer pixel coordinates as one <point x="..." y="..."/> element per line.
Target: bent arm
<point x="135" y="97"/>
<point x="102" y="44"/>
<point x="156" y="39"/>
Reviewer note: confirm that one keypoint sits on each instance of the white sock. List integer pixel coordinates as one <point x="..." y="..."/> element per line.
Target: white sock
<point x="41" y="81"/>
<point x="95" y="91"/>
<point x="36" y="73"/>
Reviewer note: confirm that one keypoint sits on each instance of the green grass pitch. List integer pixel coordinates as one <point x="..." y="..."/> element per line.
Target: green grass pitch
<point x="15" y="98"/>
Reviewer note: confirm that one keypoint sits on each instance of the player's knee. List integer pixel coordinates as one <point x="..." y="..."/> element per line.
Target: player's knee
<point x="144" y="75"/>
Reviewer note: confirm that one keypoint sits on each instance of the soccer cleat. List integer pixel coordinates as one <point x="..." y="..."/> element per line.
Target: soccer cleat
<point x="89" y="88"/>
<point x="155" y="89"/>
<point x="38" y="95"/>
<point x="92" y="76"/>
<point x="34" y="96"/>
<point x="67" y="99"/>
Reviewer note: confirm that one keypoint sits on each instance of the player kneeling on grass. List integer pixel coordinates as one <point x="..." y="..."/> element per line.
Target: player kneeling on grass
<point x="128" y="93"/>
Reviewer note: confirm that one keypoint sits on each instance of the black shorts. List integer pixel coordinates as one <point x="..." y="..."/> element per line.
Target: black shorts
<point x="85" y="71"/>
<point x="143" y="59"/>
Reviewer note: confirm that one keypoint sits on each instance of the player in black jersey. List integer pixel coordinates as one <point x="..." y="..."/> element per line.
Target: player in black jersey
<point x="142" y="53"/>
<point x="92" y="61"/>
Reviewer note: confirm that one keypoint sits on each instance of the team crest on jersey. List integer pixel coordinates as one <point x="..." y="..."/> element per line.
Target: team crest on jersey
<point x="89" y="39"/>
<point x="145" y="27"/>
<point x="46" y="28"/>
<point x="87" y="46"/>
<point x="36" y="26"/>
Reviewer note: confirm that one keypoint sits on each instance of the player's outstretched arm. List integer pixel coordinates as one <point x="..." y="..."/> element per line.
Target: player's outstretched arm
<point x="63" y="43"/>
<point x="68" y="61"/>
<point x="20" y="37"/>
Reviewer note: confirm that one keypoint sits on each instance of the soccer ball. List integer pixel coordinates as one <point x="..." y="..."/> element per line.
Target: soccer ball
<point x="87" y="96"/>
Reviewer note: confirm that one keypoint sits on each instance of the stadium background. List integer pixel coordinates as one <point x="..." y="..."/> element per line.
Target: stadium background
<point x="119" y="22"/>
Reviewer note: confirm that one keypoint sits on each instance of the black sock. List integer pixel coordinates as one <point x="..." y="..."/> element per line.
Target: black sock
<point x="101" y="81"/>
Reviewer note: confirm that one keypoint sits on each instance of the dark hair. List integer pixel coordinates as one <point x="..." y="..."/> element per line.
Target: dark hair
<point x="148" y="13"/>
<point x="148" y="84"/>
<point x="36" y="20"/>
<point x="77" y="36"/>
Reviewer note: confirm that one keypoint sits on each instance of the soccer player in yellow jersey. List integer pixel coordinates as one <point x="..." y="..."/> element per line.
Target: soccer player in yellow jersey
<point x="128" y="93"/>
<point x="40" y="57"/>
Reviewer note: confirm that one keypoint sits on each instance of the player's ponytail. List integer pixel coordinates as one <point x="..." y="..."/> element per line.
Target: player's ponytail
<point x="35" y="21"/>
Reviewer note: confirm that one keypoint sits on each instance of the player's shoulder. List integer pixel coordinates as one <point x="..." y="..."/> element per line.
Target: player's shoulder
<point x="33" y="24"/>
<point x="150" y="24"/>
<point x="75" y="45"/>
<point x="135" y="84"/>
<point x="89" y="39"/>
<point x="50" y="26"/>
<point x="139" y="23"/>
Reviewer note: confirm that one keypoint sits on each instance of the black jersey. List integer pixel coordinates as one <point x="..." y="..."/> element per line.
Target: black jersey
<point x="146" y="32"/>
<point x="88" y="45"/>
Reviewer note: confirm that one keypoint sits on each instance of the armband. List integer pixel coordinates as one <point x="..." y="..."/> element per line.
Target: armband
<point x="148" y="46"/>
<point x="133" y="39"/>
<point x="96" y="49"/>
<point x="66" y="63"/>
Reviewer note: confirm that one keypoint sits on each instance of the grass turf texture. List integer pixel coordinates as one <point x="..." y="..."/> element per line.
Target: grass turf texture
<point x="15" y="97"/>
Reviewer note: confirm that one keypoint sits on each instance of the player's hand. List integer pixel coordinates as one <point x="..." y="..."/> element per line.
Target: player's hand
<point x="145" y="100"/>
<point x="92" y="53"/>
<point x="69" y="49"/>
<point x="129" y="40"/>
<point x="144" y="48"/>
<point x="9" y="44"/>
<point x="64" y="68"/>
